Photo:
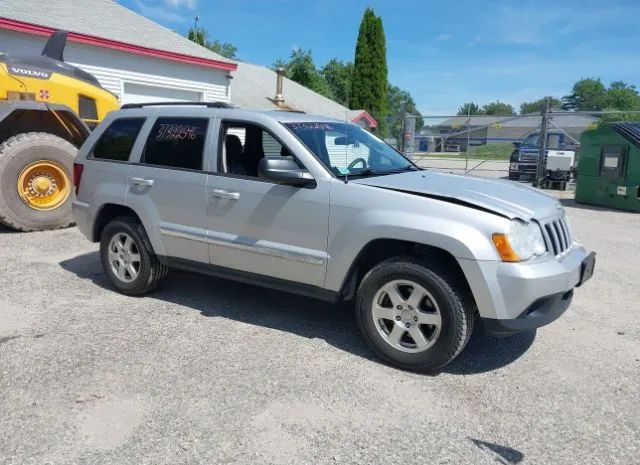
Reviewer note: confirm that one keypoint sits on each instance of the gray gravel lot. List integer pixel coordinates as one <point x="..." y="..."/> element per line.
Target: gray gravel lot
<point x="211" y="371"/>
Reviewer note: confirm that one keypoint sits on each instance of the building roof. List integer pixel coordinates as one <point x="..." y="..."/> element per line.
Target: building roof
<point x="105" y="23"/>
<point x="563" y="119"/>
<point x="254" y="86"/>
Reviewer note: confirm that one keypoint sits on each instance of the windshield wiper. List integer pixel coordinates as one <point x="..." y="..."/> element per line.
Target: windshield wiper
<point x="406" y="168"/>
<point x="372" y="172"/>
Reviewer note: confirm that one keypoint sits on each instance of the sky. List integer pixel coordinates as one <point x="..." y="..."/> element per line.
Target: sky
<point x="444" y="53"/>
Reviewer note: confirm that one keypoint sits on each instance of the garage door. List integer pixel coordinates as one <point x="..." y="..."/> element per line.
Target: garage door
<point x="139" y="93"/>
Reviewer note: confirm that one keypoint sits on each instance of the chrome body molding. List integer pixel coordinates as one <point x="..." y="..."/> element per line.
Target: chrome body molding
<point x="259" y="247"/>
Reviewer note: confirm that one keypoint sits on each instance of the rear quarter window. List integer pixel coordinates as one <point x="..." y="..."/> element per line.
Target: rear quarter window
<point x="117" y="140"/>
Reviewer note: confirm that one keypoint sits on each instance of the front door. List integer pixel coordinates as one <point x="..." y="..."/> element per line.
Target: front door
<point x="168" y="187"/>
<point x="257" y="226"/>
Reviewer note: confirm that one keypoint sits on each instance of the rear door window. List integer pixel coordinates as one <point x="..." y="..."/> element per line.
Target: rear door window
<point x="117" y="140"/>
<point x="176" y="143"/>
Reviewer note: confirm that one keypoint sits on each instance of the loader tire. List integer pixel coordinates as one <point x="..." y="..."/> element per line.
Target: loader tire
<point x="44" y="164"/>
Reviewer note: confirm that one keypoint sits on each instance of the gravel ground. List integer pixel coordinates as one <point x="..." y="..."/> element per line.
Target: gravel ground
<point x="210" y="371"/>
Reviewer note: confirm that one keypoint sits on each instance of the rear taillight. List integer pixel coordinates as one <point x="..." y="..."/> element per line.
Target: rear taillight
<point x="77" y="175"/>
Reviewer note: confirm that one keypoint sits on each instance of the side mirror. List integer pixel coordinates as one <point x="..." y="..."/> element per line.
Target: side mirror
<point x="284" y="171"/>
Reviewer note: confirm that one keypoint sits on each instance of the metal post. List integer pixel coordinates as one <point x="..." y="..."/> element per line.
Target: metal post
<point x="402" y="117"/>
<point x="466" y="157"/>
<point x="409" y="135"/>
<point x="540" y="170"/>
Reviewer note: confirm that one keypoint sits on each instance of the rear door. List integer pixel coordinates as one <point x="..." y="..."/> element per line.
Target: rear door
<point x="167" y="187"/>
<point x="104" y="178"/>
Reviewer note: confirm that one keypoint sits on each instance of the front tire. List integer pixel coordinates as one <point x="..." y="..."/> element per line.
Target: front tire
<point x="128" y="259"/>
<point x="415" y="316"/>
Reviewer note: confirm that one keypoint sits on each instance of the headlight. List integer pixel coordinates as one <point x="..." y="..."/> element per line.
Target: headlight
<point x="523" y="241"/>
<point x="513" y="167"/>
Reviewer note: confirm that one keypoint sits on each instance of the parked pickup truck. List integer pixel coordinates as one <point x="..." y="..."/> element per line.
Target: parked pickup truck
<point x="322" y="208"/>
<point x="524" y="158"/>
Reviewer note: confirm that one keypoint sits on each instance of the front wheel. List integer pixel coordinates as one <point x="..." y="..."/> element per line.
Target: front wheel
<point x="415" y="316"/>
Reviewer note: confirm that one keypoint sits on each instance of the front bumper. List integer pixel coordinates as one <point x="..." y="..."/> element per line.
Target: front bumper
<point x="540" y="313"/>
<point x="514" y="297"/>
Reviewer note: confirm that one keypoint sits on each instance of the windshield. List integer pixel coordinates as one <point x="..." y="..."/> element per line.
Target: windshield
<point x="348" y="149"/>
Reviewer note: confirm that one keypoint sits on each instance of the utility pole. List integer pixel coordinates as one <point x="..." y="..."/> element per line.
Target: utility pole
<point x="402" y="120"/>
<point x="540" y="170"/>
<point x="409" y="135"/>
<point x="466" y="158"/>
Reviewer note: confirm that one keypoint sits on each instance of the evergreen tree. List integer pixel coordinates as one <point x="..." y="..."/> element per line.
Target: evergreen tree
<point x="369" y="84"/>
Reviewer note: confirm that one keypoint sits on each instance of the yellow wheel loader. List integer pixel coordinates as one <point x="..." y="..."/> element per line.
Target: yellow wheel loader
<point x="47" y="108"/>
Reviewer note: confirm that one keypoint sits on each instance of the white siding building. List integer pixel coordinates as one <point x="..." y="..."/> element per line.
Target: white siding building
<point x="130" y="55"/>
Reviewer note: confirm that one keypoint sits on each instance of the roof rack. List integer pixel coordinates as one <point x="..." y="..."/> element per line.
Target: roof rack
<point x="171" y="104"/>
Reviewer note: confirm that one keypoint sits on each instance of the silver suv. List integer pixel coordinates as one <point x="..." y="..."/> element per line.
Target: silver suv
<point x="323" y="208"/>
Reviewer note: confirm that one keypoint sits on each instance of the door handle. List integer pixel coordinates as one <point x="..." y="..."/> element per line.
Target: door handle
<point x="225" y="194"/>
<point x="142" y="182"/>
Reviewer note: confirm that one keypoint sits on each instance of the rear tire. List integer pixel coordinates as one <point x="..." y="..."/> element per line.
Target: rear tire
<point x="128" y="259"/>
<point x="17" y="153"/>
<point x="419" y="337"/>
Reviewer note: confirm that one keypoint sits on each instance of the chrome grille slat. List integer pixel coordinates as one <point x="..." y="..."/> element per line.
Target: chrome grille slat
<point x="552" y="239"/>
<point x="565" y="227"/>
<point x="557" y="236"/>
<point x="563" y="246"/>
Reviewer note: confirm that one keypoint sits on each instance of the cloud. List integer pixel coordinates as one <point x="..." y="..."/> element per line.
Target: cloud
<point x="160" y="13"/>
<point x="190" y="4"/>
<point x="444" y="36"/>
<point x="535" y="24"/>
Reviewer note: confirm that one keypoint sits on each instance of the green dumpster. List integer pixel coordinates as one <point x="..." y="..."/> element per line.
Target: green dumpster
<point x="609" y="167"/>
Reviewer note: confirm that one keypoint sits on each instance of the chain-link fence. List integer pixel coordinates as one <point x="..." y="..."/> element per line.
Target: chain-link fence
<point x="499" y="146"/>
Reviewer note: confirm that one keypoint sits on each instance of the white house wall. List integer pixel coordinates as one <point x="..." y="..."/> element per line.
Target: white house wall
<point x="113" y="68"/>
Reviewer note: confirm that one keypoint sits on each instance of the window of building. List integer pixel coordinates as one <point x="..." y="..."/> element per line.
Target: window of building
<point x="176" y="143"/>
<point x="612" y="161"/>
<point x="117" y="140"/>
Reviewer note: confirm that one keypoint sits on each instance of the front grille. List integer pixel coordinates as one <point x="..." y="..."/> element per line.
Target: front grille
<point x="557" y="235"/>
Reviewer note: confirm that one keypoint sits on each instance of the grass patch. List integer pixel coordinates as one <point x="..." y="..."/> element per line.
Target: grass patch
<point x="492" y="151"/>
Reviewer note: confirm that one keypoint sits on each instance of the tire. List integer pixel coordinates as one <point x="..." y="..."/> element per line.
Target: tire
<point x="18" y="152"/>
<point x="446" y="296"/>
<point x="150" y="271"/>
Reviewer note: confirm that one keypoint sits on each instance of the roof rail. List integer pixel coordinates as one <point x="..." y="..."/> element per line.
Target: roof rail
<point x="171" y="104"/>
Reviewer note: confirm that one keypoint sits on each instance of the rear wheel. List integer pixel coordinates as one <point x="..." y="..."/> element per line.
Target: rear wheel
<point x="36" y="188"/>
<point x="128" y="259"/>
<point x="415" y="316"/>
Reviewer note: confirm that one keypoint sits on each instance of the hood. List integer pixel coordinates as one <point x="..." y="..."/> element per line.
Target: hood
<point x="505" y="198"/>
